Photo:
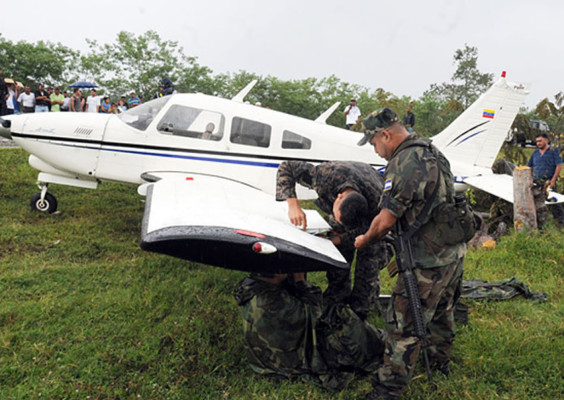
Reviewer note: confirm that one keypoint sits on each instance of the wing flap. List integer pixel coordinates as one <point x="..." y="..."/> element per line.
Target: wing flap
<point x="219" y="222"/>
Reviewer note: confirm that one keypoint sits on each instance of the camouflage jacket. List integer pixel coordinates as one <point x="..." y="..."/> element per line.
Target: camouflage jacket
<point x="410" y="179"/>
<point x="328" y="179"/>
<point x="278" y="325"/>
<point x="286" y="334"/>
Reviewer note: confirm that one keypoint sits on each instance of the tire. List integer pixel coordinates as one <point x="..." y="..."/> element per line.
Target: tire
<point x="48" y="205"/>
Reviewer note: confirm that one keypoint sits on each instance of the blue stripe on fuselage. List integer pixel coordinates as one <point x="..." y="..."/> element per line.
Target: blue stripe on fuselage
<point x="197" y="158"/>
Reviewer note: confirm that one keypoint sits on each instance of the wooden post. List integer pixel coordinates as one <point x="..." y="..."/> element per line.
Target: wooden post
<point x="524" y="212"/>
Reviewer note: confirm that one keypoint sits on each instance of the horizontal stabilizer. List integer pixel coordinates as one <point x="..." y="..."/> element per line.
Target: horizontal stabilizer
<point x="501" y="185"/>
<point x="227" y="224"/>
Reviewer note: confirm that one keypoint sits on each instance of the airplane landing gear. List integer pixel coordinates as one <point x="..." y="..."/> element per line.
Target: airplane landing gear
<point x="43" y="201"/>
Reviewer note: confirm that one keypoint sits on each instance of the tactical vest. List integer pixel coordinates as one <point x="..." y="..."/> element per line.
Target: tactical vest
<point x="450" y="222"/>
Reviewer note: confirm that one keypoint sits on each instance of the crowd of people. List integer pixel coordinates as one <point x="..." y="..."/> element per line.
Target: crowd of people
<point x="53" y="100"/>
<point x="18" y="98"/>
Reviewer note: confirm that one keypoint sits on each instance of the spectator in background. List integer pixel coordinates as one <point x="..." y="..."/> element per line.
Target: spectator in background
<point x="66" y="102"/>
<point x="122" y="106"/>
<point x="49" y="93"/>
<point x="352" y="113"/>
<point x="114" y="109"/>
<point x="57" y="100"/>
<point x="17" y="91"/>
<point x="27" y="100"/>
<point x="3" y="94"/>
<point x="133" y="100"/>
<point x="167" y="87"/>
<point x="9" y="99"/>
<point x="409" y="119"/>
<point x="42" y="100"/>
<point x="93" y="102"/>
<point x="76" y="101"/>
<point x="105" y="106"/>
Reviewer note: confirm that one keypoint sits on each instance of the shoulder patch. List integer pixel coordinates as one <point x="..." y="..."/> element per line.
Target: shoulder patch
<point x="387" y="185"/>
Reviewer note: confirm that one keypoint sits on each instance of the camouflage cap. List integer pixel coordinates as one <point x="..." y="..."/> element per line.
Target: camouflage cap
<point x="377" y="121"/>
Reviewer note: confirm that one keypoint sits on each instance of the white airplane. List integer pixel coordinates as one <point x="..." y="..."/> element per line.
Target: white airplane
<point x="208" y="166"/>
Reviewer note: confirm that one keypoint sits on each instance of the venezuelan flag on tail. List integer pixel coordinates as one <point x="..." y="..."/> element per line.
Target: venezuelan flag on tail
<point x="488" y="114"/>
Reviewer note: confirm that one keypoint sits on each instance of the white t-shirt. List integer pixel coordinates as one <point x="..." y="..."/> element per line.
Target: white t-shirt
<point x="93" y="103"/>
<point x="10" y="99"/>
<point x="353" y="114"/>
<point x="28" y="100"/>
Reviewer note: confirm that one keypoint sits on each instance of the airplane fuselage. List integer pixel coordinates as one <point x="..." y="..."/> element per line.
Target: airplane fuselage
<point x="169" y="135"/>
<point x="97" y="147"/>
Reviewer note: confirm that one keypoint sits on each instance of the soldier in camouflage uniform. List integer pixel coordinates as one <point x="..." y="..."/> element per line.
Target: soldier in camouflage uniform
<point x="409" y="181"/>
<point x="287" y="335"/>
<point x="335" y="182"/>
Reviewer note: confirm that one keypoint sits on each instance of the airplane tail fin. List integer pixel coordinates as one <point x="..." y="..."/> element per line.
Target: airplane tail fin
<point x="477" y="135"/>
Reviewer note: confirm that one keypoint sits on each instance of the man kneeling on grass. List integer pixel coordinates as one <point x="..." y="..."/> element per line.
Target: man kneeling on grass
<point x="288" y="335"/>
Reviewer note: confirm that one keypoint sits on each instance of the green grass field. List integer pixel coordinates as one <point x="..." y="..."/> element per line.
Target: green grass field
<point x="86" y="314"/>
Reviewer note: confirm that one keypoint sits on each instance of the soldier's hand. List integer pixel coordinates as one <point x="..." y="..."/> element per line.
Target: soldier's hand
<point x="360" y="241"/>
<point x="296" y="214"/>
<point x="336" y="240"/>
<point x="299" y="276"/>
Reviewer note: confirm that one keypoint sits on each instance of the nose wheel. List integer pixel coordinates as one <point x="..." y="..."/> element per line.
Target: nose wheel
<point x="43" y="201"/>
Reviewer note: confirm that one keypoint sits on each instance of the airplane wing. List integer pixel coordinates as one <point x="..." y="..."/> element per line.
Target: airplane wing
<point x="501" y="185"/>
<point x="225" y="223"/>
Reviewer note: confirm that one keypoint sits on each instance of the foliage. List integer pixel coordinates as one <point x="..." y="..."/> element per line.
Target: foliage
<point x="553" y="113"/>
<point x="467" y="81"/>
<point x="43" y="62"/>
<point x="85" y="313"/>
<point x="139" y="63"/>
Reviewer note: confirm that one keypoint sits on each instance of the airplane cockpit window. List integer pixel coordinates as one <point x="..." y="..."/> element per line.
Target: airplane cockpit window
<point x="192" y="122"/>
<point x="250" y="133"/>
<point x="140" y="117"/>
<point x="291" y="140"/>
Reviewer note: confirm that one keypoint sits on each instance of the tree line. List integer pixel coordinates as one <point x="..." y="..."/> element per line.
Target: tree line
<point x="139" y="62"/>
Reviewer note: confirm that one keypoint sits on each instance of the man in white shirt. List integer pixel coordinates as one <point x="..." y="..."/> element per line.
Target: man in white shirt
<point x="352" y="113"/>
<point x="27" y="100"/>
<point x="93" y="102"/>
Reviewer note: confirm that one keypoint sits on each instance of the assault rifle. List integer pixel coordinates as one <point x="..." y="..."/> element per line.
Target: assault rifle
<point x="406" y="265"/>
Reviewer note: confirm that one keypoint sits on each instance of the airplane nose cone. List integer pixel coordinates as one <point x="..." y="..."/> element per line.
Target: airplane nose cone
<point x="5" y="128"/>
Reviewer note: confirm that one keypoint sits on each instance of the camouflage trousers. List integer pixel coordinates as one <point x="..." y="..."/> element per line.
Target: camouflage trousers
<point x="363" y="295"/>
<point x="539" y="195"/>
<point x="439" y="289"/>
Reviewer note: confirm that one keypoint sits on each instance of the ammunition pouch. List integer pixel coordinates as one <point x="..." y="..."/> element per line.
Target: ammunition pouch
<point x="452" y="223"/>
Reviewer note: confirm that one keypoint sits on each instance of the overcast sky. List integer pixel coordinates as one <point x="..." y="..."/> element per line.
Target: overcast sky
<point x="402" y="46"/>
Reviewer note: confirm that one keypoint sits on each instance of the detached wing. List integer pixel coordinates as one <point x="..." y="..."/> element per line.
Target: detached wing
<point x="228" y="224"/>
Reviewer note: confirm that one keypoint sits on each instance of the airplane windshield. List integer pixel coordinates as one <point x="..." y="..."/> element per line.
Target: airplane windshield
<point x="140" y="117"/>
